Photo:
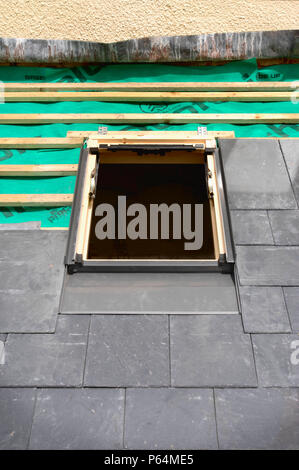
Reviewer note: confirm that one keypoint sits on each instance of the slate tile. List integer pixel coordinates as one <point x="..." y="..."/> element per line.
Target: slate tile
<point x="30" y="277"/>
<point x="264" y="310"/>
<point x="170" y="419"/>
<point x="35" y="225"/>
<point x="290" y="149"/>
<point x="277" y="359"/>
<point x="292" y="301"/>
<point x="285" y="227"/>
<point x="39" y="246"/>
<point x="47" y="359"/>
<point x="268" y="265"/>
<point x="78" y="419"/>
<point x="251" y="228"/>
<point x="258" y="419"/>
<point x="211" y="324"/>
<point x="16" y="411"/>
<point x="24" y="311"/>
<point x="256" y="174"/>
<point x="128" y="351"/>
<point x="210" y="351"/>
<point x="31" y="274"/>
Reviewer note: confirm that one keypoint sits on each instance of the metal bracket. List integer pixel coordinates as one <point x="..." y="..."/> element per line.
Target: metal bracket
<point x="103" y="130"/>
<point x="92" y="189"/>
<point x="210" y="184"/>
<point x="200" y="146"/>
<point x="202" y="131"/>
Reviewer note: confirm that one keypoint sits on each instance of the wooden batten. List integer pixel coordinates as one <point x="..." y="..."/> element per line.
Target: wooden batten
<point x="150" y="86"/>
<point x="38" y="170"/>
<point x="152" y="136"/>
<point x="40" y="142"/>
<point x="150" y="118"/>
<point x="147" y="97"/>
<point x="33" y="200"/>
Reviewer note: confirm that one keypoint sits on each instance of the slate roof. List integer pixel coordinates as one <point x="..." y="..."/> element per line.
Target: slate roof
<point x="162" y="381"/>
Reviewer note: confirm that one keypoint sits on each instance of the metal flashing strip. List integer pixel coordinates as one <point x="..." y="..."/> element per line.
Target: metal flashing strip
<point x="192" y="48"/>
<point x="148" y="293"/>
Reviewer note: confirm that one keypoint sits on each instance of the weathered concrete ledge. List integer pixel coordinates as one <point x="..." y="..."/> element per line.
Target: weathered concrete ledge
<point x="197" y="48"/>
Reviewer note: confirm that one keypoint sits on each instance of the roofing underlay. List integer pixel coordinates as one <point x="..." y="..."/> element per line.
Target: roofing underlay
<point x="241" y="71"/>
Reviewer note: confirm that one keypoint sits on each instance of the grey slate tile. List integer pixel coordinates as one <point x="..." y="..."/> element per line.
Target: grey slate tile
<point x="290" y="149"/>
<point x="210" y="351"/>
<point x="277" y="359"/>
<point x="78" y="419"/>
<point x="292" y="301"/>
<point x="29" y="278"/>
<point x="24" y="311"/>
<point x="258" y="419"/>
<point x="128" y="351"/>
<point x="47" y="359"/>
<point x="251" y="228"/>
<point x="16" y="414"/>
<point x="268" y="265"/>
<point x="39" y="246"/>
<point x="256" y="174"/>
<point x="264" y="310"/>
<point x="170" y="419"/>
<point x="285" y="227"/>
<point x="31" y="273"/>
<point x="35" y="225"/>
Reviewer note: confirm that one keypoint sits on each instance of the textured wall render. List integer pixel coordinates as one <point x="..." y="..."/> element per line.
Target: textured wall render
<point x="116" y="20"/>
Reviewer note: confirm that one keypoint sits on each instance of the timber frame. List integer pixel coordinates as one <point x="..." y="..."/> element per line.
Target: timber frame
<point x="76" y="258"/>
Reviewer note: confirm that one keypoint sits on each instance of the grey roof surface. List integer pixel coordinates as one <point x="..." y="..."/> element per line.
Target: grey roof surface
<point x="162" y="381"/>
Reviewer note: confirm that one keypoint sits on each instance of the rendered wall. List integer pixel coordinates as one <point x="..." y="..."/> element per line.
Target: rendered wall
<point x="116" y="20"/>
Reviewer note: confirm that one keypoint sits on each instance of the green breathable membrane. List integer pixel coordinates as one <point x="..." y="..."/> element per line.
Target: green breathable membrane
<point x="241" y="71"/>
